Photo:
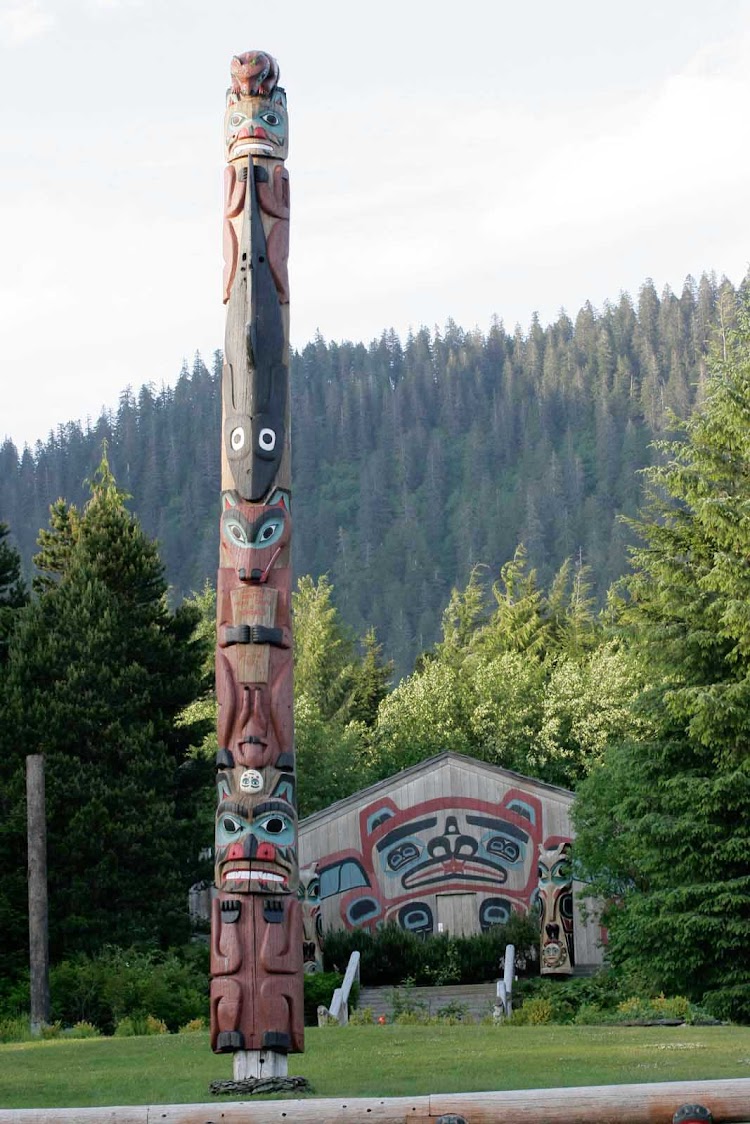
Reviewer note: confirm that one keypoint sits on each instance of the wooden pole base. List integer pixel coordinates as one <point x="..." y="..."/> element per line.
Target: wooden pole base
<point x="259" y="1063"/>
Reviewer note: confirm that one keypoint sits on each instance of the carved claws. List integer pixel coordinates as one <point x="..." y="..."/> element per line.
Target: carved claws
<point x="253" y="634"/>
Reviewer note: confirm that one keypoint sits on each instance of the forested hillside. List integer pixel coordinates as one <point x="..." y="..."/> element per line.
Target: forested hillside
<point x="413" y="460"/>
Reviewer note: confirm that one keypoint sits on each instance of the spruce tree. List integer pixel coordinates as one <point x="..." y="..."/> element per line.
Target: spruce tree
<point x="663" y="827"/>
<point x="13" y="593"/>
<point x="99" y="668"/>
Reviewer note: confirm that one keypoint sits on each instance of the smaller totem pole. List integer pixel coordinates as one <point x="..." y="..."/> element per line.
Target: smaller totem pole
<point x="312" y="922"/>
<point x="256" y="926"/>
<point x="556" y="908"/>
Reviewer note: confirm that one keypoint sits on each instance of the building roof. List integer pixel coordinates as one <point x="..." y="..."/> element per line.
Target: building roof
<point x="448" y="757"/>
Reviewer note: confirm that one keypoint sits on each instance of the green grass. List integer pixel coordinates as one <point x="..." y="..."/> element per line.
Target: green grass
<point x="374" y="1061"/>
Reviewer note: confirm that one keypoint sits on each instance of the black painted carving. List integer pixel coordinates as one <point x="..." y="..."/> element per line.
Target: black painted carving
<point x="255" y="442"/>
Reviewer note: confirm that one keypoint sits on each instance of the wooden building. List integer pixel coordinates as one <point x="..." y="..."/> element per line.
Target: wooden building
<point x="450" y="845"/>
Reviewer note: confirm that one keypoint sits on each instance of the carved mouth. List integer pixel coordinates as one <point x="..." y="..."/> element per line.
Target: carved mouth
<point x="253" y="876"/>
<point x="247" y="874"/>
<point x="454" y="870"/>
<point x="253" y="146"/>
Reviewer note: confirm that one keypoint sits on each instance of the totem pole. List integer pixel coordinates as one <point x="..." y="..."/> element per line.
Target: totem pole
<point x="256" y="923"/>
<point x="312" y="921"/>
<point x="555" y="890"/>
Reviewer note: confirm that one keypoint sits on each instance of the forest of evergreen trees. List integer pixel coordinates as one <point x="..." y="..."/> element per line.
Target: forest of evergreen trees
<point x="420" y="467"/>
<point x="413" y="460"/>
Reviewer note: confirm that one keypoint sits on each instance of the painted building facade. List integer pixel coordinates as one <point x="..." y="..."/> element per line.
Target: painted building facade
<point x="450" y="845"/>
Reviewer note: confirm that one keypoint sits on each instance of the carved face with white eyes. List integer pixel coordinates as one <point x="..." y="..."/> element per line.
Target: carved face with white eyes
<point x="256" y="848"/>
<point x="254" y="536"/>
<point x="257" y="126"/>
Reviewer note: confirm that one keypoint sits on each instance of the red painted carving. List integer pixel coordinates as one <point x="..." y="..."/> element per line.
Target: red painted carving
<point x="254" y="680"/>
<point x="258" y="1006"/>
<point x="273" y="198"/>
<point x="254" y="74"/>
<point x="235" y="188"/>
<point x="448" y="845"/>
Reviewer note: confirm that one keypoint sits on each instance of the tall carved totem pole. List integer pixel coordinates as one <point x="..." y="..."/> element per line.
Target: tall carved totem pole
<point x="256" y="925"/>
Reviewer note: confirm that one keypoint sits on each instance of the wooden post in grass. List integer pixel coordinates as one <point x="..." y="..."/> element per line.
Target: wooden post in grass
<point x="256" y="925"/>
<point x="36" y="830"/>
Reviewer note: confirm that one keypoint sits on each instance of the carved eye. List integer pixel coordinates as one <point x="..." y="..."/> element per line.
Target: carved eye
<point x="276" y="826"/>
<point x="236" y="532"/>
<point x="270" y="118"/>
<point x="237" y="438"/>
<point x="266" y="439"/>
<point x="313" y="890"/>
<point x="236" y="120"/>
<point x="270" y="531"/>
<point x="230" y="826"/>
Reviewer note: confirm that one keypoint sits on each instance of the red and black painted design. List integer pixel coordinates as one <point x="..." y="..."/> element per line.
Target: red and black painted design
<point x="450" y="845"/>
<point x="254" y="652"/>
<point x="256" y="964"/>
<point x="257" y="935"/>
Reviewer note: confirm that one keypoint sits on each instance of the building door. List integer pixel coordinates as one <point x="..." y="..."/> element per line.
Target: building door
<point x="457" y="914"/>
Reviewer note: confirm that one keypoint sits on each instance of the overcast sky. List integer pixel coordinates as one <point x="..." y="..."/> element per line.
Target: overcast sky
<point x="446" y="160"/>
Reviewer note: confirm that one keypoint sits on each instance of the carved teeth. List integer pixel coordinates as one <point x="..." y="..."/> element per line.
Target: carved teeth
<point x="253" y="875"/>
<point x="257" y="148"/>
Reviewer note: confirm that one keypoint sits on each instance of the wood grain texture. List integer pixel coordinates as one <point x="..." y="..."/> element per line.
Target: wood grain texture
<point x="37" y="880"/>
<point x="262" y="947"/>
<point x="728" y="1100"/>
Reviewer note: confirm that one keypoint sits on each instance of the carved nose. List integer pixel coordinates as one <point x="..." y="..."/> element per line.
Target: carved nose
<point x="244" y="133"/>
<point x="236" y="851"/>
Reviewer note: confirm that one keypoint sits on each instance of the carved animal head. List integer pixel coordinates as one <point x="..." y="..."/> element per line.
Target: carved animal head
<point x="254" y="74"/>
<point x="256" y="829"/>
<point x="254" y="537"/>
<point x="256" y="119"/>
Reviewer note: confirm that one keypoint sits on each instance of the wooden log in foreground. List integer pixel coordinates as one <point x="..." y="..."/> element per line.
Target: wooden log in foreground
<point x="728" y="1100"/>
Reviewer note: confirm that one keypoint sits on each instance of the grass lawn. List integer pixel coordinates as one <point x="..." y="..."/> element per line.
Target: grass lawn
<point x="374" y="1061"/>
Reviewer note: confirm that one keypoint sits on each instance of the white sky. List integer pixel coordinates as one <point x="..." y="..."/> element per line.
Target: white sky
<point x="446" y="159"/>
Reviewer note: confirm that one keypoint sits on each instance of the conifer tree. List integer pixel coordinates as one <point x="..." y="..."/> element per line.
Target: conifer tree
<point x="98" y="669"/>
<point x="13" y="594"/>
<point x="663" y="827"/>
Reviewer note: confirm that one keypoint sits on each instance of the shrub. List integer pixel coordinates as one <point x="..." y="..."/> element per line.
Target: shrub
<point x="139" y="1026"/>
<point x="319" y="989"/>
<point x="16" y="1029"/>
<point x="120" y="983"/>
<point x="729" y="1004"/>
<point x="404" y="1001"/>
<point x="392" y="954"/>
<point x="361" y="1016"/>
<point x="454" y="1012"/>
<point x="126" y="1028"/>
<point x="52" y="1030"/>
<point x="534" y="1012"/>
<point x="83" y="1029"/>
<point x="195" y="1026"/>
<point x="411" y="1018"/>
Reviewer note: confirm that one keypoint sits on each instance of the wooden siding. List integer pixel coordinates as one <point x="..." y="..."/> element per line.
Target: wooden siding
<point x="449" y="826"/>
